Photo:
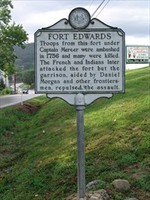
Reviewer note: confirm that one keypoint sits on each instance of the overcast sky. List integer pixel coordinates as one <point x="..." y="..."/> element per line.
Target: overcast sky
<point x="132" y="16"/>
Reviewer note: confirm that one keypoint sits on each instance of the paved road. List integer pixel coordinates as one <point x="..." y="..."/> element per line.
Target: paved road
<point x="136" y="66"/>
<point x="9" y="100"/>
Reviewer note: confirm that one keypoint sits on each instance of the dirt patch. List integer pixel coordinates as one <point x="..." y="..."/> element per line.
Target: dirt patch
<point x="29" y="108"/>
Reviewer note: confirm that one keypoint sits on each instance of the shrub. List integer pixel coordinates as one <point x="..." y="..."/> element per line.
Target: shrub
<point x="6" y="91"/>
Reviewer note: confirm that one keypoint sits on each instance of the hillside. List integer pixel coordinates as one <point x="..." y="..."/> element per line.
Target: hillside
<point x="38" y="144"/>
<point x="25" y="57"/>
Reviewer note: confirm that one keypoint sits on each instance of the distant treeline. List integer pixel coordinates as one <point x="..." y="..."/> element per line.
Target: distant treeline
<point x="25" y="57"/>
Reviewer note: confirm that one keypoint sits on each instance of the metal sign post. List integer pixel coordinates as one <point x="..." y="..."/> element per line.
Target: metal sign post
<point x="80" y="144"/>
<point x="81" y="154"/>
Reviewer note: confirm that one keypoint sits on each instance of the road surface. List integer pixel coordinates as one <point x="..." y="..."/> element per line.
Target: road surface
<point x="9" y="100"/>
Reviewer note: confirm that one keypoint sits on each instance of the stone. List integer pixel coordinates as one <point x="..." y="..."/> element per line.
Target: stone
<point x="93" y="198"/>
<point x="93" y="184"/>
<point x="121" y="184"/>
<point x="99" y="195"/>
<point x="131" y="199"/>
<point x="103" y="195"/>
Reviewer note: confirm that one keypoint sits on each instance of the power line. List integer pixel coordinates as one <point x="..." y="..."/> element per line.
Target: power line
<point x="98" y="8"/>
<point x="102" y="8"/>
<point x="91" y="4"/>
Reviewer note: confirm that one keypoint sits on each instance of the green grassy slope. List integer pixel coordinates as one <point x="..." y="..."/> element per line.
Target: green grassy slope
<point x="38" y="154"/>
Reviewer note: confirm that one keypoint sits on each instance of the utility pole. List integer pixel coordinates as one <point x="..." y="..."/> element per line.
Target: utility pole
<point x="15" y="84"/>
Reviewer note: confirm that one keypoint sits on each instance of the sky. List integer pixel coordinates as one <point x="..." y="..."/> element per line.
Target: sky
<point x="132" y="16"/>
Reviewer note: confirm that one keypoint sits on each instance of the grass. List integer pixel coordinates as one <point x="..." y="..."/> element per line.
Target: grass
<point x="38" y="149"/>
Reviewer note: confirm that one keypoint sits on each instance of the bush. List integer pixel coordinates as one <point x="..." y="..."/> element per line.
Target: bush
<point x="6" y="91"/>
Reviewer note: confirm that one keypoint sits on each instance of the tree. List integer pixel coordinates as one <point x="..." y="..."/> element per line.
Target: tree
<point x="28" y="76"/>
<point x="10" y="35"/>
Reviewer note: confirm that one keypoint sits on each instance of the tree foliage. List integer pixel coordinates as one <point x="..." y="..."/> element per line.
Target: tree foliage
<point x="25" y="57"/>
<point x="28" y="76"/>
<point x="10" y="35"/>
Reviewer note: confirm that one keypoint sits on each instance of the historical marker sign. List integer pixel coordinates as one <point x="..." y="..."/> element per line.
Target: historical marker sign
<point x="87" y="60"/>
<point x="80" y="60"/>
